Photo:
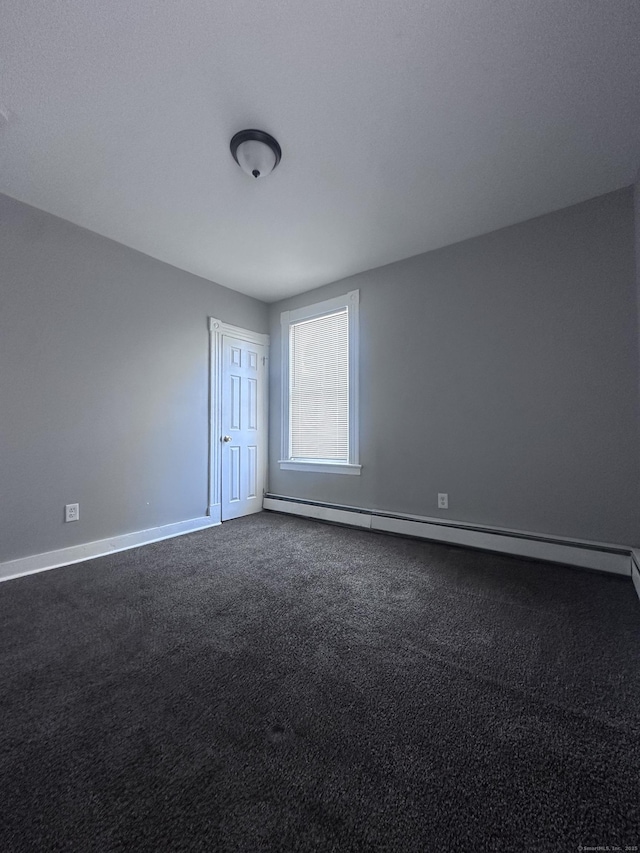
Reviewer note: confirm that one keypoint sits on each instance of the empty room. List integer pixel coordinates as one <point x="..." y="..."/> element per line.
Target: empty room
<point x="319" y="426"/>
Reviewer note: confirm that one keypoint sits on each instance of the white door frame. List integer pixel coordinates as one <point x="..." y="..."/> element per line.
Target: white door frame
<point x="216" y="330"/>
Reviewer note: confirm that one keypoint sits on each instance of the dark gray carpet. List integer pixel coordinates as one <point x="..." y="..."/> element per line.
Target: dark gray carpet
<point x="277" y="684"/>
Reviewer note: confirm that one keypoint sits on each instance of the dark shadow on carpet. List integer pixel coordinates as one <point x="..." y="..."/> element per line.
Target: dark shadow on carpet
<point x="276" y="684"/>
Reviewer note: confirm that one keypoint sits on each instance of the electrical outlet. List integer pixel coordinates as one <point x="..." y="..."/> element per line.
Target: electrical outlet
<point x="443" y="500"/>
<point x="72" y="512"/>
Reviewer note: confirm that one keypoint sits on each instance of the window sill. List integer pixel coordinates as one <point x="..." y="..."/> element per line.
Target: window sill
<point x="319" y="467"/>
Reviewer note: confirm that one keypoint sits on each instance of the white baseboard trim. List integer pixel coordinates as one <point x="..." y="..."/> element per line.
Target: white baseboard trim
<point x="90" y="550"/>
<point x="635" y="570"/>
<point x="615" y="559"/>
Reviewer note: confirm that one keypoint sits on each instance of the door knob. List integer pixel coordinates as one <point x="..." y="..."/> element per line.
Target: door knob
<point x="226" y="438"/>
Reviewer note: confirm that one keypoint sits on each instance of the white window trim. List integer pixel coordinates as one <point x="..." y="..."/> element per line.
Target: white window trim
<point x="351" y="301"/>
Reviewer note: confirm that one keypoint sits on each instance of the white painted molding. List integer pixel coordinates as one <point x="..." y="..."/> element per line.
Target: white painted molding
<point x="319" y="467"/>
<point x="100" y="548"/>
<point x="635" y="570"/>
<point x="589" y="555"/>
<point x="237" y="332"/>
<point x="285" y="425"/>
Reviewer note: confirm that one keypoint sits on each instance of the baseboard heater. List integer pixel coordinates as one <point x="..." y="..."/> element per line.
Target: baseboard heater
<point x="615" y="559"/>
<point x="635" y="570"/>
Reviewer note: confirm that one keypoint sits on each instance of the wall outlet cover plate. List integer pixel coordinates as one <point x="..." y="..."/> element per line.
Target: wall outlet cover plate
<point x="72" y="512"/>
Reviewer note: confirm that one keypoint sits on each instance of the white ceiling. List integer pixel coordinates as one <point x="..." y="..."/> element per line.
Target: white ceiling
<point x="405" y="125"/>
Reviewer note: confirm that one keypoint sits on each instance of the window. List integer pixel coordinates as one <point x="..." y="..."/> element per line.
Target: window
<point x="320" y="387"/>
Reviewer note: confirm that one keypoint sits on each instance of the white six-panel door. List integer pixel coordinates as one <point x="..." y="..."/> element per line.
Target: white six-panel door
<point x="243" y="439"/>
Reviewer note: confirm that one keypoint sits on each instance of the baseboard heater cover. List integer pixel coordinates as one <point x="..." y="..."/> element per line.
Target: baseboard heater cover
<point x="100" y="548"/>
<point x="635" y="570"/>
<point x="588" y="555"/>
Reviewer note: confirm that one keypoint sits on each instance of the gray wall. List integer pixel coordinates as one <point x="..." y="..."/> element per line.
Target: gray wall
<point x="502" y="370"/>
<point x="103" y="384"/>
<point x="636" y="199"/>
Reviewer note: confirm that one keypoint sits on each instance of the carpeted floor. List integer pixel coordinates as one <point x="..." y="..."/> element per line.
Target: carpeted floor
<point x="276" y="684"/>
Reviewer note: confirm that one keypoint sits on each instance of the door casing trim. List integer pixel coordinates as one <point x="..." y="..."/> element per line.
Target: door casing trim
<point x="217" y="329"/>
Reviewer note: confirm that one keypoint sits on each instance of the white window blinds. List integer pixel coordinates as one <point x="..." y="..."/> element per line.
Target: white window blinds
<point x="319" y="387"/>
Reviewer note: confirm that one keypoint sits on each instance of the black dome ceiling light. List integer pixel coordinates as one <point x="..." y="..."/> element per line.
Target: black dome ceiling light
<point x="256" y="152"/>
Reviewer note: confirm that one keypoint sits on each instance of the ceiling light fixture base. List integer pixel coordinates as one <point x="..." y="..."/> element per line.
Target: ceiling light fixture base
<point x="256" y="152"/>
